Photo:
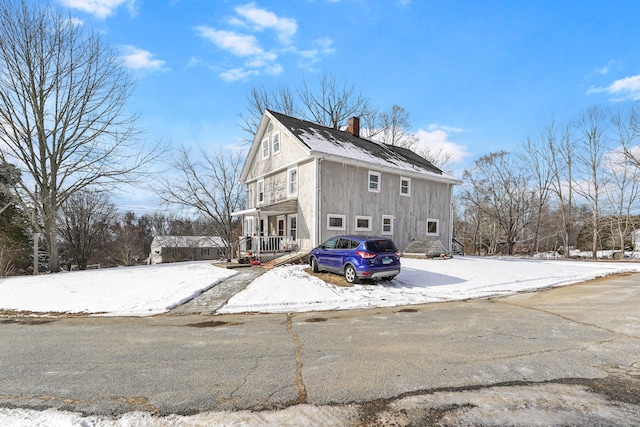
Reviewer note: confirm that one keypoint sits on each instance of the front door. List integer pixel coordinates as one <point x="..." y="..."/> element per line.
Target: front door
<point x="281" y="226"/>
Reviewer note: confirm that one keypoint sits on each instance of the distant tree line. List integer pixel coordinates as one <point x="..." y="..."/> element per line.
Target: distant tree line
<point x="93" y="231"/>
<point x="573" y="184"/>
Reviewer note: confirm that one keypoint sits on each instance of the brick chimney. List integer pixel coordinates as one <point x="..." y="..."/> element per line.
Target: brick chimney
<point x="354" y="126"/>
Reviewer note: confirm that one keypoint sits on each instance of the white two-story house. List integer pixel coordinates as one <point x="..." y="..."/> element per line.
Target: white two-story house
<point x="306" y="183"/>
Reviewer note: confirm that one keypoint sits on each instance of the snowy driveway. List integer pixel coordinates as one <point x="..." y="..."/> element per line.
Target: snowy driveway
<point x="150" y="290"/>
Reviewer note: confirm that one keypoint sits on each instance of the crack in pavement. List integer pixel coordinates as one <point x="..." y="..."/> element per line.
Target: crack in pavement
<point x="567" y="318"/>
<point x="302" y="392"/>
<point x="244" y="380"/>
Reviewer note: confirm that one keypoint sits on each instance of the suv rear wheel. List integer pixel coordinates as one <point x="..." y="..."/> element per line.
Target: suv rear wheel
<point x="350" y="274"/>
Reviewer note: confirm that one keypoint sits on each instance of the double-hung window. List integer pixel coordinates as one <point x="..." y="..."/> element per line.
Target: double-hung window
<point x="374" y="182"/>
<point x="260" y="192"/>
<point x="405" y="186"/>
<point x="292" y="182"/>
<point x="265" y="148"/>
<point x="387" y="224"/>
<point x="275" y="142"/>
<point x="293" y="227"/>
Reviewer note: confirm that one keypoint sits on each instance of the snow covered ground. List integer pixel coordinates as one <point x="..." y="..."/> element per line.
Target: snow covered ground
<point x="149" y="290"/>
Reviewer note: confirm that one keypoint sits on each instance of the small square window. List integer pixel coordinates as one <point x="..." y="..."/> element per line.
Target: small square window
<point x="335" y="222"/>
<point x="275" y="141"/>
<point x="363" y="223"/>
<point x="432" y="227"/>
<point x="265" y="148"/>
<point x="374" y="182"/>
<point x="405" y="186"/>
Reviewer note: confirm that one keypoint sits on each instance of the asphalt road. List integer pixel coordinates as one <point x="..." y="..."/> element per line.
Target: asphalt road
<point x="585" y="336"/>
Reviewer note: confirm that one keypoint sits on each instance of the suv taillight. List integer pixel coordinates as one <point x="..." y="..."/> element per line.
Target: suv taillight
<point x="365" y="254"/>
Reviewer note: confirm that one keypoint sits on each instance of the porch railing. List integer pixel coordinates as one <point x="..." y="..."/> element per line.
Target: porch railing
<point x="263" y="247"/>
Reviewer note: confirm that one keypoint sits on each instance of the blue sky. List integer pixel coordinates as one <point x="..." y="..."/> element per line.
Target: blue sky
<point x="475" y="76"/>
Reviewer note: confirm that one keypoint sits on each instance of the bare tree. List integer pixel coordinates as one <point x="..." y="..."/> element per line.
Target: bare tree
<point x="281" y="99"/>
<point x="86" y="218"/>
<point x="627" y="125"/>
<point x="560" y="156"/>
<point x="208" y="184"/>
<point x="394" y="128"/>
<point x="533" y="156"/>
<point x="623" y="192"/>
<point x="63" y="111"/>
<point x="591" y="127"/>
<point x="438" y="157"/>
<point x="331" y="103"/>
<point x="497" y="189"/>
<point x="130" y="243"/>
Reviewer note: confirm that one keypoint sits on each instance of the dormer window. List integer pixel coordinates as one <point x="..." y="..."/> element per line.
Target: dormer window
<point x="265" y="148"/>
<point x="275" y="142"/>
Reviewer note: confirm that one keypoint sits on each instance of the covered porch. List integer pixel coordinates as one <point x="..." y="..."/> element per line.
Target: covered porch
<point x="268" y="232"/>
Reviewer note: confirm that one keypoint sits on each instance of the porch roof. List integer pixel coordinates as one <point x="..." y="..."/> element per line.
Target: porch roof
<point x="287" y="206"/>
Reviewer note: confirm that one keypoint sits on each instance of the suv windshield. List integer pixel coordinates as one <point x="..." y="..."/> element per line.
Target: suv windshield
<point x="381" y="245"/>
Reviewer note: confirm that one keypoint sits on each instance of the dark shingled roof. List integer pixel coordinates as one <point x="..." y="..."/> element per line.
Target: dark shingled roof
<point x="336" y="142"/>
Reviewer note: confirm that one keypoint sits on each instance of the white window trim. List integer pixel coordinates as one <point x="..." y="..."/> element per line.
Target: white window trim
<point x="258" y="185"/>
<point x="390" y="232"/>
<point x="359" y="217"/>
<point x="408" y="194"/>
<point x="250" y="227"/>
<point x="379" y="175"/>
<point x="289" y="218"/>
<point x="437" y="221"/>
<point x="263" y="146"/>
<point x="343" y="217"/>
<point x="279" y="142"/>
<point x="289" y="192"/>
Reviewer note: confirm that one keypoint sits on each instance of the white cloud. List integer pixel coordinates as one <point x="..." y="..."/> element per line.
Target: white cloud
<point x="321" y="47"/>
<point x="627" y="88"/>
<point x="139" y="59"/>
<point x="237" y="74"/>
<point x="261" y="19"/>
<point x="237" y="44"/>
<point x="101" y="8"/>
<point x="436" y="139"/>
<point x="252" y="27"/>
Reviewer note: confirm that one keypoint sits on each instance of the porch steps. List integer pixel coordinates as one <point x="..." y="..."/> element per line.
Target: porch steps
<point x="290" y="258"/>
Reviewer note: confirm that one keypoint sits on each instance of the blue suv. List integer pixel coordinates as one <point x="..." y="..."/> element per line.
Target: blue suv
<point x="357" y="257"/>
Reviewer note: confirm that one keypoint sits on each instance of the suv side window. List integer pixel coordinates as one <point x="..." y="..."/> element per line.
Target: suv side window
<point x="342" y="244"/>
<point x="330" y="244"/>
<point x="353" y="244"/>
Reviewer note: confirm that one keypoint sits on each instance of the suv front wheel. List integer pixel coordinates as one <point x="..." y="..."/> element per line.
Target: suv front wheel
<point x="350" y="274"/>
<point x="314" y="265"/>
